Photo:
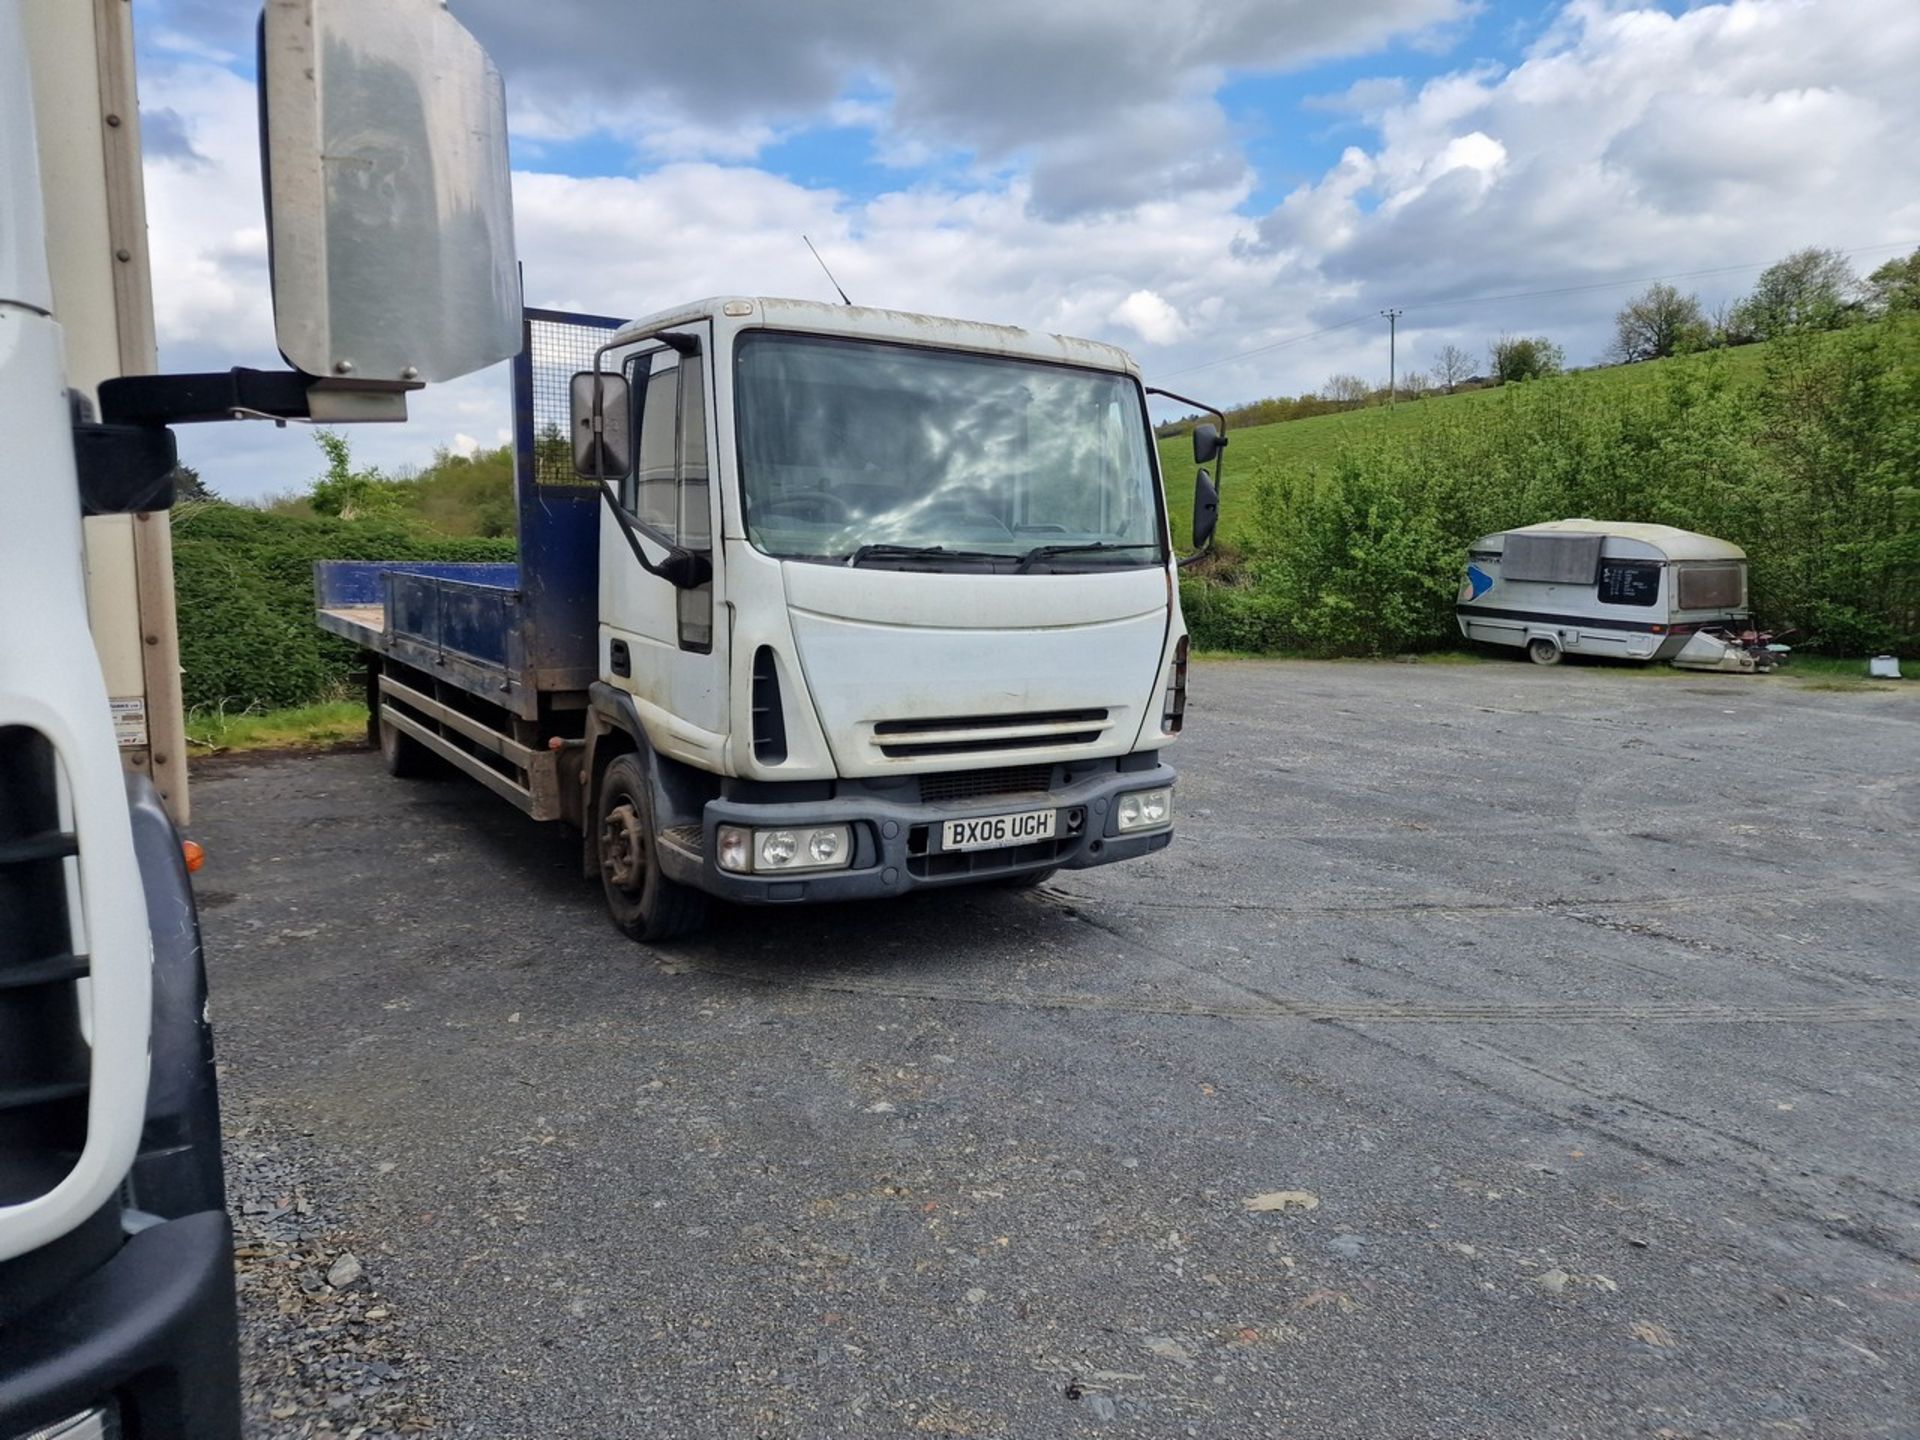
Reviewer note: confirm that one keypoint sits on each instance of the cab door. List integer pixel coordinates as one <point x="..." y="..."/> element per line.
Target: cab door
<point x="665" y="644"/>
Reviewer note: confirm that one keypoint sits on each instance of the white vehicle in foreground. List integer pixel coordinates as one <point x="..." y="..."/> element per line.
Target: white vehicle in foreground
<point x="116" y="1262"/>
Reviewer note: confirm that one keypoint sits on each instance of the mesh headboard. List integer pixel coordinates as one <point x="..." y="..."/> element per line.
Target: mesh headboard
<point x="558" y="345"/>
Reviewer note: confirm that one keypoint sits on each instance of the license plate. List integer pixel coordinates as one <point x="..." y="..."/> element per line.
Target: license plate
<point x="989" y="832"/>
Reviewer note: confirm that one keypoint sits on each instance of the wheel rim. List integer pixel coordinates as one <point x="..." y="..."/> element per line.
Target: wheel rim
<point x="623" y="847"/>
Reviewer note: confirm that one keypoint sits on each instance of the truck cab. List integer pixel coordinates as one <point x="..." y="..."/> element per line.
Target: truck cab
<point x="879" y="602"/>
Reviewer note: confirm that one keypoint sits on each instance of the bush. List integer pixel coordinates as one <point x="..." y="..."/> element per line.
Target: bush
<point x="244" y="585"/>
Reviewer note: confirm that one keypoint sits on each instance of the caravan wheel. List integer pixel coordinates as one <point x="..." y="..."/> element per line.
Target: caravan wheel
<point x="1542" y="651"/>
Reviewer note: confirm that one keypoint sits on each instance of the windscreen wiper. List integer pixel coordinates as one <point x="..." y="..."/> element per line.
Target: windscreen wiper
<point x="915" y="552"/>
<point x="1047" y="552"/>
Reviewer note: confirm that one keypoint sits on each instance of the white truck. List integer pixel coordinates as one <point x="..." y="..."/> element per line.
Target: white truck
<point x="815" y="602"/>
<point x="116" y="1268"/>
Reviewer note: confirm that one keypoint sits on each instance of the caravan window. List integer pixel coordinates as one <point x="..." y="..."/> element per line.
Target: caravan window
<point x="1712" y="587"/>
<point x="1629" y="582"/>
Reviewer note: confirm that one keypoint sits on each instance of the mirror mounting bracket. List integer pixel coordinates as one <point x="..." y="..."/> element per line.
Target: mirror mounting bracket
<point x="241" y="393"/>
<point x="127" y="457"/>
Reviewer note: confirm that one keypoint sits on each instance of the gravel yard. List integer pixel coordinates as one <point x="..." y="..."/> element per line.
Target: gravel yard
<point x="1495" y="1052"/>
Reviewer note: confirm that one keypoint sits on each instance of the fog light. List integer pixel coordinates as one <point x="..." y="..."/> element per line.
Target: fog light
<point x="1144" y="810"/>
<point x="824" y="846"/>
<point x="733" y="846"/>
<point x="777" y="848"/>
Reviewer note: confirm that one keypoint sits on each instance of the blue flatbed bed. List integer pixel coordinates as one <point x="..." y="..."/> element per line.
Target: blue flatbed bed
<point x="464" y="624"/>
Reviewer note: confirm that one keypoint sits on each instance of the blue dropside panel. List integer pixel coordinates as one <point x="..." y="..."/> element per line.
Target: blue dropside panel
<point x="357" y="582"/>
<point x="451" y="614"/>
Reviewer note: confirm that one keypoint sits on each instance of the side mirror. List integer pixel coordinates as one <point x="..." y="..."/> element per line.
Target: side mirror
<point x="1207" y="444"/>
<point x="1206" y="511"/>
<point x="389" y="200"/>
<point x="602" y="425"/>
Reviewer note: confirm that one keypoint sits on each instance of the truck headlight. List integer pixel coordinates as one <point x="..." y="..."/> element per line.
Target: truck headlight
<point x="795" y="847"/>
<point x="1145" y="810"/>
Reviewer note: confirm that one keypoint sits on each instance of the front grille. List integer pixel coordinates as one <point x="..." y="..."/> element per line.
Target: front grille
<point x="974" y="864"/>
<point x="984" y="734"/>
<point x="43" y="1057"/>
<point x="975" y="784"/>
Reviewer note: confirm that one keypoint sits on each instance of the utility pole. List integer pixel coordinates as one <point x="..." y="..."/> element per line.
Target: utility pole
<point x="1393" y="317"/>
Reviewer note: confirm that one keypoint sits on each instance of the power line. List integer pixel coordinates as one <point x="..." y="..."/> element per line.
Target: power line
<point x="1513" y="295"/>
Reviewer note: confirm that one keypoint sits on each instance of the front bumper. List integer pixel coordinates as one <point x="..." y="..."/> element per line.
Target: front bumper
<point x="897" y="845"/>
<point x="153" y="1327"/>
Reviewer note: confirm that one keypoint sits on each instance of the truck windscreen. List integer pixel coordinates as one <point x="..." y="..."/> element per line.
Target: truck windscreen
<point x="851" y="448"/>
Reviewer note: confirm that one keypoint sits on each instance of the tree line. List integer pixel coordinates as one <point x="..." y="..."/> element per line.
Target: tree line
<point x="1810" y="291"/>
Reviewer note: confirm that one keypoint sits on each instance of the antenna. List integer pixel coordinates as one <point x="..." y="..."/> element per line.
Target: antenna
<point x="830" y="280"/>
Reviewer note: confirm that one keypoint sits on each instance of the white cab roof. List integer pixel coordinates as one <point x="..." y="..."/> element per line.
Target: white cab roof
<point x="1668" y="542"/>
<point x="862" y="322"/>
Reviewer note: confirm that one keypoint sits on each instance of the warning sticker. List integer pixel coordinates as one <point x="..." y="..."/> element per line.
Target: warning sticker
<point x="129" y="720"/>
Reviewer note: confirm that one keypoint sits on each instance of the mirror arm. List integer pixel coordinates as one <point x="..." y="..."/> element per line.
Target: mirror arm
<point x="1196" y="404"/>
<point x="1218" y="463"/>
<point x="684" y="569"/>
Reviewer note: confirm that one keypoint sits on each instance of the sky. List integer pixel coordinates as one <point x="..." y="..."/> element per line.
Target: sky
<point x="1230" y="189"/>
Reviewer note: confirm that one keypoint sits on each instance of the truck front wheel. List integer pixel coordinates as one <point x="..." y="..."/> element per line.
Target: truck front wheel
<point x="645" y="904"/>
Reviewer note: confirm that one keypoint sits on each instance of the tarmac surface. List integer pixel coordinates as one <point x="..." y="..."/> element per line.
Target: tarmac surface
<point x="1495" y="1052"/>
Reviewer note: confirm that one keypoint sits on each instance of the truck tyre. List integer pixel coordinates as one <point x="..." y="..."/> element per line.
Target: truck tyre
<point x="406" y="757"/>
<point x="645" y="904"/>
<point x="1543" y="651"/>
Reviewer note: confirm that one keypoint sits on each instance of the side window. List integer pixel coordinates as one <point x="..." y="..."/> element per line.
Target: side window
<point x="694" y="523"/>
<point x="1624" y="583"/>
<point x="652" y="499"/>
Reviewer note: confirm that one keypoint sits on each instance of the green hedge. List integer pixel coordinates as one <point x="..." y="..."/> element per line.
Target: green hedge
<point x="244" y="581"/>
<point x="1813" y="470"/>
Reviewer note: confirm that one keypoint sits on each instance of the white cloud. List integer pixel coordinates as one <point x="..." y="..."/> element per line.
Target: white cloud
<point x="1627" y="142"/>
<point x="1150" y="317"/>
<point x="1104" y="101"/>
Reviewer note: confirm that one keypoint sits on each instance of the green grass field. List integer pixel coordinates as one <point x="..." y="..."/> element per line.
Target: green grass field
<point x="306" y="727"/>
<point x="1303" y="444"/>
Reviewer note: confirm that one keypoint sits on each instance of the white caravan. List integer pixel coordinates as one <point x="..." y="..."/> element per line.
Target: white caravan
<point x="1600" y="587"/>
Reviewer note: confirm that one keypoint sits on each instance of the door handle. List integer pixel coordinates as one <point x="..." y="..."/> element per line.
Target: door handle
<point x="620" y="658"/>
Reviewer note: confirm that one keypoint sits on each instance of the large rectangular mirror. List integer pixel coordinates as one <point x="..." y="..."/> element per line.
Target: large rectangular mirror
<point x="602" y="411"/>
<point x="389" y="203"/>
